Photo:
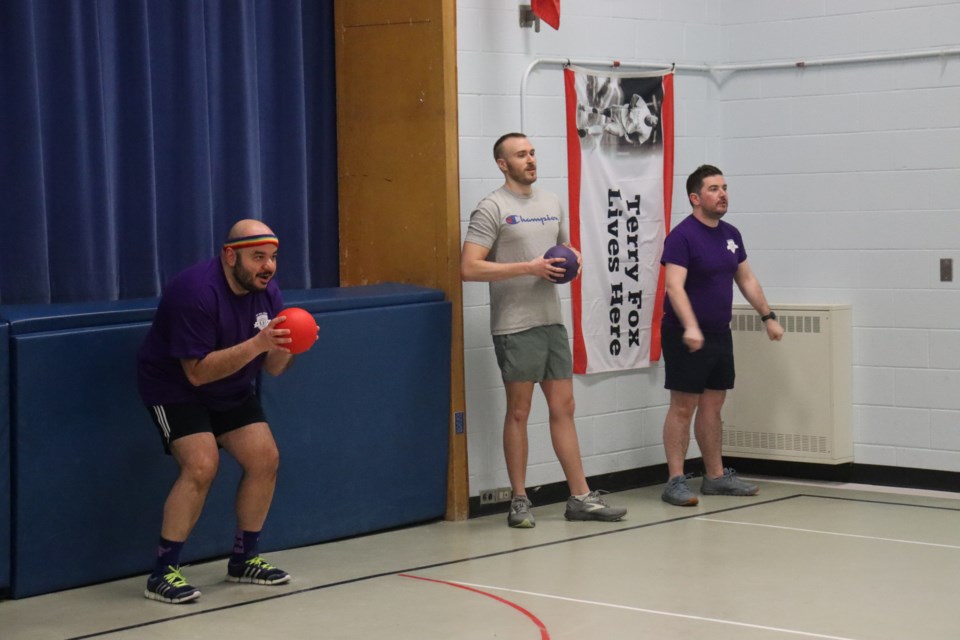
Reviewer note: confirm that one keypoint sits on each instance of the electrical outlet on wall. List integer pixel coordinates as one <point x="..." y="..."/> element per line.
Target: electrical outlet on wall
<point x="492" y="496"/>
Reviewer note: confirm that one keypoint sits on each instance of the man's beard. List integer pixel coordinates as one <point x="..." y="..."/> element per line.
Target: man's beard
<point x="521" y="177"/>
<point x="244" y="278"/>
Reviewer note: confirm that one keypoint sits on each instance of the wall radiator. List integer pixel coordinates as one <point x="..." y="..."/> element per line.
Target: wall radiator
<point x="793" y="398"/>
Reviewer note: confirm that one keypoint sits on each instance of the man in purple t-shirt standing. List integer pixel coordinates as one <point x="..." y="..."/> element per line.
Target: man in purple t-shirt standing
<point x="703" y="256"/>
<point x="216" y="327"/>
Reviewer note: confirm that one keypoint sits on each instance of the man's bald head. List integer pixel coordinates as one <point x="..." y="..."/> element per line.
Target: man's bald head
<point x="249" y="227"/>
<point x="249" y="233"/>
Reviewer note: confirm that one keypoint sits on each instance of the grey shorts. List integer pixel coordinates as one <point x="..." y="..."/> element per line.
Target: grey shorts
<point x="534" y="355"/>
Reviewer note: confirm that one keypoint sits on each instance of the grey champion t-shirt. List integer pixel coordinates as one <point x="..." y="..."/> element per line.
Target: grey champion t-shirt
<point x="518" y="229"/>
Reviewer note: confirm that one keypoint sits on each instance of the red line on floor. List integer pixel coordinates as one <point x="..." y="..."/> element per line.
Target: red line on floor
<point x="544" y="634"/>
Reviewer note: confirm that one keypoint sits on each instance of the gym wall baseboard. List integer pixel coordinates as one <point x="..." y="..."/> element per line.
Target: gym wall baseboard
<point x="903" y="477"/>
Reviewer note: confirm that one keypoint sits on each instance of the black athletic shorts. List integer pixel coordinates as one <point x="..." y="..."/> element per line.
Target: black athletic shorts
<point x="710" y="367"/>
<point x="183" y="419"/>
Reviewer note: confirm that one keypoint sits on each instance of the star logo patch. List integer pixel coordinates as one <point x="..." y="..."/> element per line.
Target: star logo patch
<point x="732" y="246"/>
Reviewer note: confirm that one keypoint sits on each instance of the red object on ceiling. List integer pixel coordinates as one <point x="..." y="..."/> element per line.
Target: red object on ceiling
<point x="548" y="11"/>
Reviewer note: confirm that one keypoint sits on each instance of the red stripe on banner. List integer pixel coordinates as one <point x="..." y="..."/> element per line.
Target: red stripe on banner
<point x="573" y="205"/>
<point x="544" y="634"/>
<point x="666" y="119"/>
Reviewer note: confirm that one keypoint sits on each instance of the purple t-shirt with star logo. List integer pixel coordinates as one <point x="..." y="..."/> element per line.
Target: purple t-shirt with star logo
<point x="711" y="256"/>
<point x="199" y="313"/>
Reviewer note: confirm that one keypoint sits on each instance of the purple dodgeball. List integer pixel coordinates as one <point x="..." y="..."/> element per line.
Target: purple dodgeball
<point x="569" y="262"/>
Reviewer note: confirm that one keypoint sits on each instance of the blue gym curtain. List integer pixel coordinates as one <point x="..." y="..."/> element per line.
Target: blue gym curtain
<point x="133" y="133"/>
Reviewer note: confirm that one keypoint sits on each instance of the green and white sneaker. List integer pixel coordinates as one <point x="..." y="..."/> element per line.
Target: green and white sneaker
<point x="170" y="587"/>
<point x="520" y="516"/>
<point x="593" y="507"/>
<point x="256" y="570"/>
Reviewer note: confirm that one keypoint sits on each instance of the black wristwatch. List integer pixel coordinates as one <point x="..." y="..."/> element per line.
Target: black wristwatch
<point x="769" y="316"/>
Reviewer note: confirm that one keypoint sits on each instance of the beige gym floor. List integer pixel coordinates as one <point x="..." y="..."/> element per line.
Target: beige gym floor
<point x="798" y="561"/>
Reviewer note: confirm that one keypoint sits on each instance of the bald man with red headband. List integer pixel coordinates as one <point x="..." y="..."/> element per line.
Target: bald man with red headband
<point x="216" y="327"/>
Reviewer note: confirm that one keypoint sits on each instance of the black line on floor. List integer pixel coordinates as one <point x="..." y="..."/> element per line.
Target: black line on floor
<point x="340" y="583"/>
<point x="892" y="504"/>
<point x="374" y="576"/>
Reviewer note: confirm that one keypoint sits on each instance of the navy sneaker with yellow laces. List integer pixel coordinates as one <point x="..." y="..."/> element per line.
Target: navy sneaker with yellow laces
<point x="256" y="570"/>
<point x="170" y="587"/>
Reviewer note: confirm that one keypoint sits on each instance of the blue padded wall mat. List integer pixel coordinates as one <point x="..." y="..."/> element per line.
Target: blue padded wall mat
<point x="6" y="513"/>
<point x="374" y="295"/>
<point x="30" y="318"/>
<point x="91" y="475"/>
<point x="366" y="411"/>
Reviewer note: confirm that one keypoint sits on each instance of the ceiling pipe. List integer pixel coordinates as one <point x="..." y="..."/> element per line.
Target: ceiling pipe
<point x="717" y="70"/>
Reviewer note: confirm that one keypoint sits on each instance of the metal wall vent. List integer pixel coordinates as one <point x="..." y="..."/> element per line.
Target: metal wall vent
<point x="775" y="441"/>
<point x="790" y="323"/>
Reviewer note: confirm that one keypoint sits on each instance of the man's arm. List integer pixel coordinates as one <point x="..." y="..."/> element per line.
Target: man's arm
<point x="474" y="266"/>
<point x="750" y="288"/>
<point x="675" y="277"/>
<point x="277" y="362"/>
<point x="217" y="365"/>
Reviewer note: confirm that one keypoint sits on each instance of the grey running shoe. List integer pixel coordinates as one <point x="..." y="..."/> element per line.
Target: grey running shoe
<point x="728" y="485"/>
<point x="593" y="507"/>
<point x="678" y="493"/>
<point x="520" y="516"/>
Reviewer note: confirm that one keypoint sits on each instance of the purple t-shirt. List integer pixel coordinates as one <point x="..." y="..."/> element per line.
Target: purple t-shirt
<point x="711" y="256"/>
<point x="199" y="313"/>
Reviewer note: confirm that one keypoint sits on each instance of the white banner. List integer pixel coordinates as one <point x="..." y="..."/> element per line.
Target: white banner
<point x="620" y="157"/>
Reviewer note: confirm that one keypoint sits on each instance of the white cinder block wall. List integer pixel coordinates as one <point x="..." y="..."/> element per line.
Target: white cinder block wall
<point x="845" y="182"/>
<point x="843" y="179"/>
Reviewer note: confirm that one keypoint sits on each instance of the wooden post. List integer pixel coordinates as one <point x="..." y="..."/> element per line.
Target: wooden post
<point x="399" y="181"/>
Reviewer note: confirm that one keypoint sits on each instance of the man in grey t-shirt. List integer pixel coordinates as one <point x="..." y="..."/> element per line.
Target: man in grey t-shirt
<point x="509" y="232"/>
